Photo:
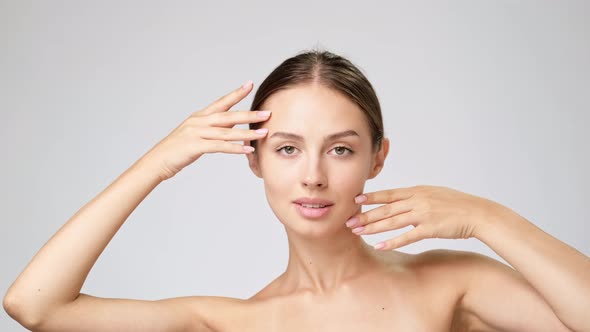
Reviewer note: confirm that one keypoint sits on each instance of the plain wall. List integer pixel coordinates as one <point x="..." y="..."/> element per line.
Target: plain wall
<point x="487" y="97"/>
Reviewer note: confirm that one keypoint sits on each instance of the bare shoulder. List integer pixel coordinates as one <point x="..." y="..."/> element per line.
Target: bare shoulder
<point x="452" y="261"/>
<point x="457" y="269"/>
<point x="460" y="264"/>
<point x="444" y="272"/>
<point x="449" y="256"/>
<point x="453" y="267"/>
<point x="498" y="297"/>
<point x="436" y="282"/>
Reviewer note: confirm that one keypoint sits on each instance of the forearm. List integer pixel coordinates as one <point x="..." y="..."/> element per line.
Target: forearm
<point x="57" y="272"/>
<point x="560" y="273"/>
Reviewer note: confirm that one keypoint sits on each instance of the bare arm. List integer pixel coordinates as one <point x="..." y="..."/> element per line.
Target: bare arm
<point x="551" y="279"/>
<point x="48" y="282"/>
<point x="550" y="289"/>
<point x="46" y="295"/>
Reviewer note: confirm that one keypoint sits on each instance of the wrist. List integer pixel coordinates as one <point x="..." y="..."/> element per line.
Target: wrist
<point x="498" y="221"/>
<point x="496" y="217"/>
<point x="148" y="170"/>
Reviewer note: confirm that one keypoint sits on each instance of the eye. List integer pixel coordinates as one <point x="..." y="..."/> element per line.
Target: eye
<point x="340" y="150"/>
<point x="289" y="149"/>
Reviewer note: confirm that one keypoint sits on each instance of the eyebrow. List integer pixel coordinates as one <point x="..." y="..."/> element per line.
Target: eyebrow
<point x="331" y="137"/>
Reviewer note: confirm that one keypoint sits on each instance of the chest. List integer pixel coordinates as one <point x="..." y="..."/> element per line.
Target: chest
<point x="411" y="311"/>
<point x="359" y="319"/>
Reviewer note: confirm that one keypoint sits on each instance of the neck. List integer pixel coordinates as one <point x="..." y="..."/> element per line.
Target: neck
<point x="320" y="265"/>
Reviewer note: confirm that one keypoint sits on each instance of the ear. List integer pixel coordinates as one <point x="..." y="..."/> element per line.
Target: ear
<point x="379" y="158"/>
<point x="253" y="161"/>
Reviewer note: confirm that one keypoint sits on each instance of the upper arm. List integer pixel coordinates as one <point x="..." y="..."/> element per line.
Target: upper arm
<point x="498" y="296"/>
<point x="90" y="313"/>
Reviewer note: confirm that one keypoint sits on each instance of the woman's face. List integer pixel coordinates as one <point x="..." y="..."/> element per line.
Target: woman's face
<point x="318" y="147"/>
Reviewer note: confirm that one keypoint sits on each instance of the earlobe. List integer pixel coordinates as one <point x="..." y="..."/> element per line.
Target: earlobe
<point x="380" y="157"/>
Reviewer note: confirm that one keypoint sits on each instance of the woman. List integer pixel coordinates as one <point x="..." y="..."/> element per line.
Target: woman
<point x="319" y="138"/>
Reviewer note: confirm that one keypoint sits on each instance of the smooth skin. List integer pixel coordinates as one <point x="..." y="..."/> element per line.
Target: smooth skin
<point x="439" y="290"/>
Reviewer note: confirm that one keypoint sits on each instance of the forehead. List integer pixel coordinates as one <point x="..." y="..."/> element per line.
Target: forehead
<point x="312" y="105"/>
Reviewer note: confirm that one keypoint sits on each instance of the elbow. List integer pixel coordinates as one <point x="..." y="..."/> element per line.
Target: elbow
<point x="18" y="311"/>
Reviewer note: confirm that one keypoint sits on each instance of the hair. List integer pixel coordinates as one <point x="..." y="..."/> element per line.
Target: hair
<point x="332" y="71"/>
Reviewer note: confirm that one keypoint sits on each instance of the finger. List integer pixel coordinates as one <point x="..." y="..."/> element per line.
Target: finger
<point x="384" y="196"/>
<point x="382" y="212"/>
<point x="232" y="134"/>
<point x="225" y="147"/>
<point x="403" y="240"/>
<point x="226" y="102"/>
<point x="230" y="119"/>
<point x="388" y="224"/>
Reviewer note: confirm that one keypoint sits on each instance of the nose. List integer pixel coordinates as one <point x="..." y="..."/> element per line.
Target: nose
<point x="314" y="175"/>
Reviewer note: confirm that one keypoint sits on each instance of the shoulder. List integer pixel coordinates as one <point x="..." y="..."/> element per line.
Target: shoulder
<point x="447" y="273"/>
<point x="449" y="255"/>
<point x="448" y="260"/>
<point x="459" y="267"/>
<point x="435" y="263"/>
<point x="492" y="294"/>
<point x="453" y="260"/>
<point x="464" y="265"/>
<point x="448" y="276"/>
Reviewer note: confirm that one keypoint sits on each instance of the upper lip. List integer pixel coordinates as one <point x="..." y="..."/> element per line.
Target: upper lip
<point x="310" y="200"/>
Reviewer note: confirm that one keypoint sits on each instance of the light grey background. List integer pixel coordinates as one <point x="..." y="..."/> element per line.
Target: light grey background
<point x="491" y="98"/>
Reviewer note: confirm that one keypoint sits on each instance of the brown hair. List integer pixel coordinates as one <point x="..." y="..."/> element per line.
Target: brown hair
<point x="332" y="71"/>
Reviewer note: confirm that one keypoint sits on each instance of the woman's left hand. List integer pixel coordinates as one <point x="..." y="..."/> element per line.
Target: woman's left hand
<point x="435" y="212"/>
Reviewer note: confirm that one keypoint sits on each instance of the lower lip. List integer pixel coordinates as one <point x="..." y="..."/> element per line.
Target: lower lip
<point x="312" y="213"/>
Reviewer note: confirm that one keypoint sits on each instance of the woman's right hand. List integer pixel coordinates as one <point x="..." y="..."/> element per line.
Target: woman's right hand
<point x="207" y="131"/>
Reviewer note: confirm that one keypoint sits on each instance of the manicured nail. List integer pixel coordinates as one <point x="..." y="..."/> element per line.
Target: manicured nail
<point x="247" y="85"/>
<point x="379" y="245"/>
<point x="263" y="114"/>
<point x="358" y="229"/>
<point x="360" y="199"/>
<point x="248" y="148"/>
<point x="352" y="222"/>
<point x="261" y="131"/>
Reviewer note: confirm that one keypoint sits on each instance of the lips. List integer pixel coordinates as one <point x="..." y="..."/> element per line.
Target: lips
<point x="313" y="208"/>
<point x="313" y="201"/>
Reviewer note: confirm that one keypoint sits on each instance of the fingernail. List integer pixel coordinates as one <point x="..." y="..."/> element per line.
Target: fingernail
<point x="358" y="229"/>
<point x="352" y="222"/>
<point x="263" y="114"/>
<point x="261" y="131"/>
<point x="379" y="245"/>
<point x="247" y="85"/>
<point x="248" y="148"/>
<point x="360" y="199"/>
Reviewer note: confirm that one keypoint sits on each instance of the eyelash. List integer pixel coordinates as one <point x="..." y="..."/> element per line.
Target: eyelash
<point x="350" y="152"/>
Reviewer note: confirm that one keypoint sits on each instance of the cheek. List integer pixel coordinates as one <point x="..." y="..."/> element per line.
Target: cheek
<point x="349" y="181"/>
<point x="278" y="182"/>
